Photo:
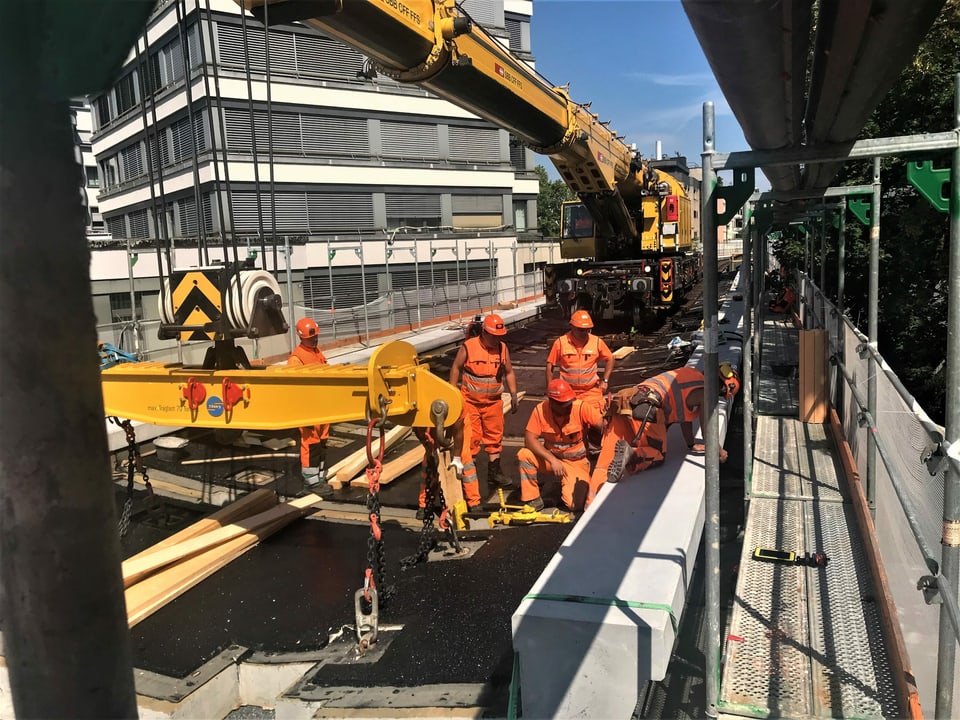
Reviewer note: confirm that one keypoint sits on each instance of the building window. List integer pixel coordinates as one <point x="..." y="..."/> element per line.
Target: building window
<point x="125" y="94"/>
<point x="120" y="307"/>
<point x="520" y="215"/>
<point x="93" y="176"/>
<point x="101" y="108"/>
<point x="412" y="210"/>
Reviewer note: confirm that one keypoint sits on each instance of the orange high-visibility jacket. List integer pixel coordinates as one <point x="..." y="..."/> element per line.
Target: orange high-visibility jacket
<point x="481" y="382"/>
<point x="302" y="355"/>
<point x="673" y="387"/>
<point x="578" y="365"/>
<point x="565" y="443"/>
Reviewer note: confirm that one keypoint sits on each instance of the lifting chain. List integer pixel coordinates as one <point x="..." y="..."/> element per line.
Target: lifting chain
<point x="434" y="499"/>
<point x="134" y="465"/>
<point x="374" y="590"/>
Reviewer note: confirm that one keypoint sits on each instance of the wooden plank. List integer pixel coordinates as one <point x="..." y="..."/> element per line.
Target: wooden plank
<point x="137" y="569"/>
<point x="250" y="504"/>
<point x="343" y="472"/>
<point x="150" y="594"/>
<point x="260" y="456"/>
<point x="621" y="353"/>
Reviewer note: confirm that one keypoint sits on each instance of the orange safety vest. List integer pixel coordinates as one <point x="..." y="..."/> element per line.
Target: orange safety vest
<point x="565" y="443"/>
<point x="673" y="387"/>
<point x="480" y="382"/>
<point x="578" y="366"/>
<point x="306" y="356"/>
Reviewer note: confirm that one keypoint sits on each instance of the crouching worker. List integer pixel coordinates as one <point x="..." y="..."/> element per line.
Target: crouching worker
<point x="554" y="445"/>
<point x="461" y="462"/>
<point x="634" y="440"/>
<point x="784" y="303"/>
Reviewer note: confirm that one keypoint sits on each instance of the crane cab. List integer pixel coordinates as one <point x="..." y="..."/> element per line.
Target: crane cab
<point x="578" y="236"/>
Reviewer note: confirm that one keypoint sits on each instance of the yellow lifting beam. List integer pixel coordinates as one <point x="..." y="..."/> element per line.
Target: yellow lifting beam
<point x="278" y="397"/>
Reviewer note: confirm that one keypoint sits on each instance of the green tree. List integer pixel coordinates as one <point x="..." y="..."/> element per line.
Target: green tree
<point x="552" y="194"/>
<point x="914" y="237"/>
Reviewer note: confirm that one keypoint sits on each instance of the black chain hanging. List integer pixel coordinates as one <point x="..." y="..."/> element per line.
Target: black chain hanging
<point x="134" y="464"/>
<point x="434" y="499"/>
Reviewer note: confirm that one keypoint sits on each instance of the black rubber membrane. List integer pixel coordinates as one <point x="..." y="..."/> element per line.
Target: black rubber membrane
<point x="288" y="593"/>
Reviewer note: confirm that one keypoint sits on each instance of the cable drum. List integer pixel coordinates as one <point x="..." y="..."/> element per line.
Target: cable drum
<point x="242" y="295"/>
<point x="165" y="304"/>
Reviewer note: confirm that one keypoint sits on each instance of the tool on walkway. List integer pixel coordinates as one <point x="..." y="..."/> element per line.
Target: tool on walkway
<point x="789" y="557"/>
<point x="508" y="514"/>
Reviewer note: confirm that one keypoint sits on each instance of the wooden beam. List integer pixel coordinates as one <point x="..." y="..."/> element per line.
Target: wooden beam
<point x="137" y="569"/>
<point x="621" y="353"/>
<point x="250" y="504"/>
<point x="260" y="456"/>
<point x="343" y="472"/>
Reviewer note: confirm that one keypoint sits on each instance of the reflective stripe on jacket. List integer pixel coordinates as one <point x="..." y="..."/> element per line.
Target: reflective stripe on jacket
<point x="565" y="443"/>
<point x="480" y="381"/>
<point x="578" y="365"/>
<point x="673" y="387"/>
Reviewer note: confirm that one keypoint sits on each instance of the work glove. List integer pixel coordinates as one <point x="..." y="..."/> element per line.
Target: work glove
<point x="456" y="464"/>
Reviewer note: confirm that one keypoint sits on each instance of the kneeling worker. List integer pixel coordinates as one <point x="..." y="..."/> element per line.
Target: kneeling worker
<point x="675" y="396"/>
<point x="554" y="445"/>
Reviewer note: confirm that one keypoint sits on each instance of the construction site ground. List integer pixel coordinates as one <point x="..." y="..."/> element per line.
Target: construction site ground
<point x="288" y="598"/>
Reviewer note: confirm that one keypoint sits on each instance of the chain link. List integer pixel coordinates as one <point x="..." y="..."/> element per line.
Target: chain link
<point x="134" y="464"/>
<point x="434" y="499"/>
<point x="375" y="573"/>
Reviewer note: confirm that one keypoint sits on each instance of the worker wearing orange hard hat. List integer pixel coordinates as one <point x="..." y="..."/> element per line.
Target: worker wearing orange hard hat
<point x="578" y="354"/>
<point x="480" y="369"/>
<point x="313" y="438"/>
<point x="554" y="445"/>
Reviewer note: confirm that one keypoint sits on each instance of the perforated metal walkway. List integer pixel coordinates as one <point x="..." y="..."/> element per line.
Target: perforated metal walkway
<point x="802" y="641"/>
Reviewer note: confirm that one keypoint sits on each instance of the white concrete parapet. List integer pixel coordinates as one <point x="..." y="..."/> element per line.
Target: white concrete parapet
<point x="602" y="618"/>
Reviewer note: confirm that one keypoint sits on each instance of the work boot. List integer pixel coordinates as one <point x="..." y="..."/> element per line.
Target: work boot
<point x="315" y="481"/>
<point x="495" y="477"/>
<point x="536" y="503"/>
<point x="623" y="455"/>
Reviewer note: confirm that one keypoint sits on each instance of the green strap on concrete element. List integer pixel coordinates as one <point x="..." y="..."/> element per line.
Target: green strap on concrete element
<point x="609" y="602"/>
<point x="931" y="182"/>
<point x="744" y="183"/>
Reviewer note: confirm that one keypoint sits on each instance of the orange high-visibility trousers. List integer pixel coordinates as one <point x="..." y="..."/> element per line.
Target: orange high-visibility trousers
<point x="621" y="427"/>
<point x="573" y="488"/>
<point x="486" y="427"/>
<point x="310" y="438"/>
<point x="470" y="483"/>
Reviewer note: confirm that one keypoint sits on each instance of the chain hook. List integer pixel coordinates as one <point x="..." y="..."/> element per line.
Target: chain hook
<point x="438" y="413"/>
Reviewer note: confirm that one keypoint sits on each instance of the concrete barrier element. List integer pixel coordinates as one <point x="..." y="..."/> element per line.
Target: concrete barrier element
<point x="602" y="618"/>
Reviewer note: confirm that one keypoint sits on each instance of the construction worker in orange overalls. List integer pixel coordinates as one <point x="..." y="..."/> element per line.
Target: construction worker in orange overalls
<point x="481" y="368"/>
<point x="554" y="445"/>
<point x="632" y="424"/>
<point x="675" y="396"/>
<point x="313" y="438"/>
<point x="577" y="355"/>
<point x="461" y="462"/>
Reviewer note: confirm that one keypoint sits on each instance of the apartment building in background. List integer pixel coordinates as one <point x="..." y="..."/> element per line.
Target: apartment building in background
<point x="362" y="188"/>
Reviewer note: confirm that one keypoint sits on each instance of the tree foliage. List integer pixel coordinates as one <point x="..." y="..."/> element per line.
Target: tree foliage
<point x="552" y="194"/>
<point x="914" y="237"/>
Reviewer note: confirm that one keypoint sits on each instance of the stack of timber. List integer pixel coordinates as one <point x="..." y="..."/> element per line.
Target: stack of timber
<point x="166" y="570"/>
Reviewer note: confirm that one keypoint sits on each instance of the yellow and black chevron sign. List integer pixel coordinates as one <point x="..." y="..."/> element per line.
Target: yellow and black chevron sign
<point x="666" y="281"/>
<point x="196" y="300"/>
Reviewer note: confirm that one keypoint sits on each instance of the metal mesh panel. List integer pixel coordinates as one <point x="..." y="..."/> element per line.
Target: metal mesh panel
<point x="778" y="386"/>
<point x="905" y="442"/>
<point x="768" y="670"/>
<point x="784" y="466"/>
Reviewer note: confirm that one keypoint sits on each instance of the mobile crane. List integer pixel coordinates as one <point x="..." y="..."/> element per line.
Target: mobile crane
<point x="633" y="220"/>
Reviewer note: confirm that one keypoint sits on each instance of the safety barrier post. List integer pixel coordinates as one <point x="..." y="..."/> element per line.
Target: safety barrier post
<point x="873" y="301"/>
<point x="747" y="369"/>
<point x="711" y="431"/>
<point x="950" y="555"/>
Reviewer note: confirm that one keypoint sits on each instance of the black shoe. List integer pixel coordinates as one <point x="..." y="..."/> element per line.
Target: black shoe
<point x="496" y="478"/>
<point x="321" y="489"/>
<point x="622" y="455"/>
<point x="536" y="503"/>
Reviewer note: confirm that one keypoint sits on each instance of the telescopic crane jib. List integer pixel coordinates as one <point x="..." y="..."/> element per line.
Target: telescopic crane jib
<point x="632" y="219"/>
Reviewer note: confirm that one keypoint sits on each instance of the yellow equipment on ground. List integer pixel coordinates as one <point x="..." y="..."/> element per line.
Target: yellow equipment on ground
<point x="509" y="514"/>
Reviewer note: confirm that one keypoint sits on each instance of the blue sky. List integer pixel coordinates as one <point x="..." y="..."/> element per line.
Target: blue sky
<point x="640" y="64"/>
